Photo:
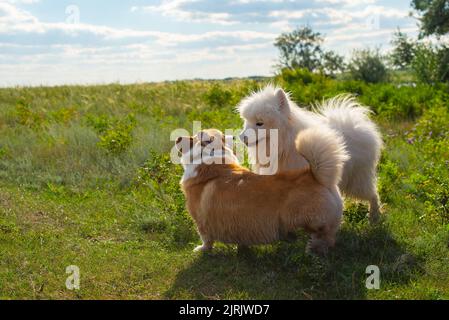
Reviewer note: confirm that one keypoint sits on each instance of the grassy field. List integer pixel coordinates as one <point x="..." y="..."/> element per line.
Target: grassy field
<point x="85" y="180"/>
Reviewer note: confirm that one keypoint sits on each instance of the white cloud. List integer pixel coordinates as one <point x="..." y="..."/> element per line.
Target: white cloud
<point x="228" y="12"/>
<point x="146" y="55"/>
<point x="16" y="21"/>
<point x="84" y="65"/>
<point x="172" y="8"/>
<point x="22" y="1"/>
<point x="240" y="44"/>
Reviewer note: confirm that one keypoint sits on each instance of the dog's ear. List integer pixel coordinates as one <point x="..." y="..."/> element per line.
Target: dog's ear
<point x="282" y="100"/>
<point x="184" y="144"/>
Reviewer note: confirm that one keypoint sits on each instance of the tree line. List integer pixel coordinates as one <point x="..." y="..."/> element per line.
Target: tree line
<point x="427" y="60"/>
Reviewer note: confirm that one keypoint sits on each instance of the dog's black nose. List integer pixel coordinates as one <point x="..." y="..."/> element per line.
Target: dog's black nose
<point x="179" y="140"/>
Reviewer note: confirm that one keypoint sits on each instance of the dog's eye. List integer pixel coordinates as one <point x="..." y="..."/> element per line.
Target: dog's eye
<point x="205" y="143"/>
<point x="259" y="124"/>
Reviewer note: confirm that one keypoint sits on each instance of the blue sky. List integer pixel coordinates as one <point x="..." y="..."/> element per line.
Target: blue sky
<point x="54" y="42"/>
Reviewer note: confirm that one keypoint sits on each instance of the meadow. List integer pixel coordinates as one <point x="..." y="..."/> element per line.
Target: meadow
<point x="86" y="180"/>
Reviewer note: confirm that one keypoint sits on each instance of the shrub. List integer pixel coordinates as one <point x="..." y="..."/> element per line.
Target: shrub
<point x="28" y="117"/>
<point x="432" y="125"/>
<point x="305" y="87"/>
<point x="162" y="178"/>
<point x="391" y="178"/>
<point x="368" y="65"/>
<point x="63" y="115"/>
<point x="219" y="97"/>
<point x="431" y="63"/>
<point x="387" y="100"/>
<point x="430" y="136"/>
<point x="332" y="64"/>
<point x="403" y="50"/>
<point x="115" y="135"/>
<point x="99" y="123"/>
<point x="297" y="76"/>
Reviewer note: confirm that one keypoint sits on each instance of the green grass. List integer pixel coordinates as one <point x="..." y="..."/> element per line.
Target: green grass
<point x="85" y="179"/>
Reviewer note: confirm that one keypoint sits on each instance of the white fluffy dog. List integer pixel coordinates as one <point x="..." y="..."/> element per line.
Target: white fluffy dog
<point x="272" y="108"/>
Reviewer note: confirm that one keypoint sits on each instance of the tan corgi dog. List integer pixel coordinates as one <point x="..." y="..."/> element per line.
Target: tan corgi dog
<point x="232" y="205"/>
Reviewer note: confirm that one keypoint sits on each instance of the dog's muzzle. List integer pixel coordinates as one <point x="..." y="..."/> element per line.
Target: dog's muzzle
<point x="250" y="142"/>
<point x="244" y="138"/>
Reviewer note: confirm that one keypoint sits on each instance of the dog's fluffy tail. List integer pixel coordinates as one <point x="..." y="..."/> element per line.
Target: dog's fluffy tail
<point x="326" y="153"/>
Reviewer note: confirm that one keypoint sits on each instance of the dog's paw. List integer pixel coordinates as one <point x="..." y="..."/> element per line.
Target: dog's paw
<point x="317" y="248"/>
<point x="375" y="214"/>
<point x="374" y="217"/>
<point x="373" y="220"/>
<point x="202" y="248"/>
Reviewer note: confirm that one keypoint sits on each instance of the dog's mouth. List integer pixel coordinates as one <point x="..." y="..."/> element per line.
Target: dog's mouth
<point x="197" y="152"/>
<point x="253" y="144"/>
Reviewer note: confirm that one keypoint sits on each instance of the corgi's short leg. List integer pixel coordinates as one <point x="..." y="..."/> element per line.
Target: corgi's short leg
<point x="208" y="244"/>
<point x="317" y="246"/>
<point x="374" y="209"/>
<point x="320" y="243"/>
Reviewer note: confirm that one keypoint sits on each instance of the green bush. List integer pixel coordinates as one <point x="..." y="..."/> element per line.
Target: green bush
<point x="430" y="140"/>
<point x="29" y="117"/>
<point x="227" y="95"/>
<point x="368" y="65"/>
<point x="431" y="63"/>
<point x="390" y="182"/>
<point x="403" y="50"/>
<point x="298" y="76"/>
<point x="389" y="101"/>
<point x="219" y="97"/>
<point x="115" y="134"/>
<point x="64" y="115"/>
<point x="432" y="125"/>
<point x="99" y="123"/>
<point x="162" y="177"/>
<point x="304" y="86"/>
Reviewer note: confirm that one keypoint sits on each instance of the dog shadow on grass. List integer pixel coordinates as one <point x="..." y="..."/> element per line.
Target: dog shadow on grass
<point x="285" y="271"/>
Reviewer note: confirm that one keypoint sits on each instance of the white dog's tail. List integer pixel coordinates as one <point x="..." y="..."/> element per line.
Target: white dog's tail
<point x="326" y="153"/>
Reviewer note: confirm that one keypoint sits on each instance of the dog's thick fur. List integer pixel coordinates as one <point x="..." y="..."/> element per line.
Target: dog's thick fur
<point x="271" y="108"/>
<point x="234" y="205"/>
